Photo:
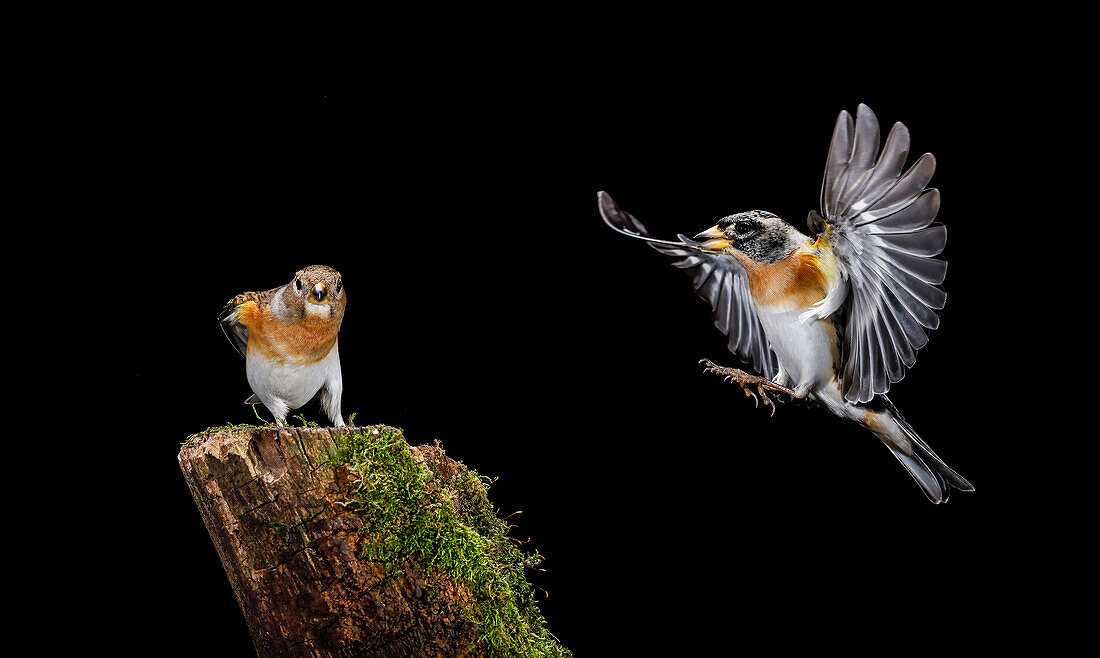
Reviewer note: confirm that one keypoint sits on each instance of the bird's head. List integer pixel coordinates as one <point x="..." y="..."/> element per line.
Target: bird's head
<point x="316" y="292"/>
<point x="758" y="234"/>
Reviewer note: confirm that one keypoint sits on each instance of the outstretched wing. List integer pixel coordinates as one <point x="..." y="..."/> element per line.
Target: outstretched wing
<point x="880" y="228"/>
<point x="236" y="332"/>
<point x="717" y="278"/>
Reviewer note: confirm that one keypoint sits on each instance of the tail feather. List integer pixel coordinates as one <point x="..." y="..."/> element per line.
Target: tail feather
<point x="935" y="477"/>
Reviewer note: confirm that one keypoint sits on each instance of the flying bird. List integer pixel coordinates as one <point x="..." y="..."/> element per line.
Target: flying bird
<point x="836" y="318"/>
<point x="288" y="337"/>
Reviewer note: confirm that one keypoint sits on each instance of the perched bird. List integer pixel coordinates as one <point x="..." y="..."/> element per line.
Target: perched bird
<point x="288" y="337"/>
<point x="837" y="318"/>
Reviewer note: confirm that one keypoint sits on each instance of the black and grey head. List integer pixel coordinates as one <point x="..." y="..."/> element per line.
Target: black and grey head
<point x="317" y="290"/>
<point x="760" y="235"/>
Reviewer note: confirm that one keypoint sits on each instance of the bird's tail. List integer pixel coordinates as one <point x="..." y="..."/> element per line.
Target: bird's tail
<point x="934" y="477"/>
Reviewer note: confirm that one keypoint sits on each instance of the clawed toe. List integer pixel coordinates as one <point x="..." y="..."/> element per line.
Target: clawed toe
<point x="750" y="394"/>
<point x="763" y="384"/>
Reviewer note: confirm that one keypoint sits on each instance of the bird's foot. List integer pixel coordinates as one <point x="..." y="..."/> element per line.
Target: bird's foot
<point x="743" y="378"/>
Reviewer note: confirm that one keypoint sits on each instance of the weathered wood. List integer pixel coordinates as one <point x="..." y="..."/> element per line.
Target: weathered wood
<point x="277" y="511"/>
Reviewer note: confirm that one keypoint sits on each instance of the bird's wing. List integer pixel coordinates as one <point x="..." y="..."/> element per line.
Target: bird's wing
<point x="717" y="278"/>
<point x="236" y="332"/>
<point x="879" y="225"/>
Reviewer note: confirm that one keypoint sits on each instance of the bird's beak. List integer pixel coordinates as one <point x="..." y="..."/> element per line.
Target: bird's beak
<point x="715" y="239"/>
<point x="319" y="294"/>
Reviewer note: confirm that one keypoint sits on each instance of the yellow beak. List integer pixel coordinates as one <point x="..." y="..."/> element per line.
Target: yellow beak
<point x="319" y="294"/>
<point x="715" y="239"/>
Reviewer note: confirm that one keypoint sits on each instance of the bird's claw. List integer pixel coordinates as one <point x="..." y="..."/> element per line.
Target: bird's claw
<point x="744" y="379"/>
<point x="768" y="401"/>
<point x="749" y="394"/>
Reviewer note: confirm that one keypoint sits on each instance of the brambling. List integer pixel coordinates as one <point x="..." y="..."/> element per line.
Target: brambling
<point x="837" y="318"/>
<point x="288" y="337"/>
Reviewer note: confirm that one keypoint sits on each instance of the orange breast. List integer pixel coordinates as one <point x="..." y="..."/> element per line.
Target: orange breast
<point x="794" y="282"/>
<point x="299" y="343"/>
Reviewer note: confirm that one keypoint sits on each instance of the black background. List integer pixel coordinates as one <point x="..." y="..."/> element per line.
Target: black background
<point x="491" y="309"/>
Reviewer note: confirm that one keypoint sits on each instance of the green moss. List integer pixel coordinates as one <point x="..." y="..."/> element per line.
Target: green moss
<point x="190" y="440"/>
<point x="410" y="511"/>
<point x="306" y="423"/>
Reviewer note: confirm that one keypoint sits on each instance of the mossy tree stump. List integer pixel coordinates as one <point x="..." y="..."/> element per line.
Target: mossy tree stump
<point x="343" y="542"/>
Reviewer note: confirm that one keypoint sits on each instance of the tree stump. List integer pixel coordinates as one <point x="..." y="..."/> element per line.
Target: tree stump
<point x="342" y="542"/>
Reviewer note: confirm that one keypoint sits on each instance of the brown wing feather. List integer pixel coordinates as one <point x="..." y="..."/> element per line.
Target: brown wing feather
<point x="235" y="332"/>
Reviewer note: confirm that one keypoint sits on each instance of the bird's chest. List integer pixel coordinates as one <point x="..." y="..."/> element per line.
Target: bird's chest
<point x="300" y="343"/>
<point x="796" y="281"/>
<point x="290" y="361"/>
<point x="782" y="291"/>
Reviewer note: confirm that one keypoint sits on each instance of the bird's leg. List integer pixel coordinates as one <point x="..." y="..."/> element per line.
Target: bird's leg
<point x="745" y="380"/>
<point x="742" y="377"/>
<point x="330" y="400"/>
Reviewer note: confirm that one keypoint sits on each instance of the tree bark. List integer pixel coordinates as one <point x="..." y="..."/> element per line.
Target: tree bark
<point x="277" y="511"/>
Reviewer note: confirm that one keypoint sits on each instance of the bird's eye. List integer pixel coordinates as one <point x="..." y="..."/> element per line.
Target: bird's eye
<point x="742" y="227"/>
<point x="338" y="284"/>
<point x="298" y="284"/>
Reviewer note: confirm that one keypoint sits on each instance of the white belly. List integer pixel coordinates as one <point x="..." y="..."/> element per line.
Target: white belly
<point x="804" y="350"/>
<point x="292" y="385"/>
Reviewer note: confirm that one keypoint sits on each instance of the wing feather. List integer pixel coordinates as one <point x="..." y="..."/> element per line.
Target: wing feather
<point x="836" y="167"/>
<point x="916" y="215"/>
<point x="861" y="165"/>
<point x="905" y="191"/>
<point x="929" y="270"/>
<point x="717" y="278"/>
<point x="925" y="242"/>
<point x="887" y="170"/>
<point x="236" y="332"/>
<point x="891" y="359"/>
<point x="880" y="226"/>
<point x="903" y="350"/>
